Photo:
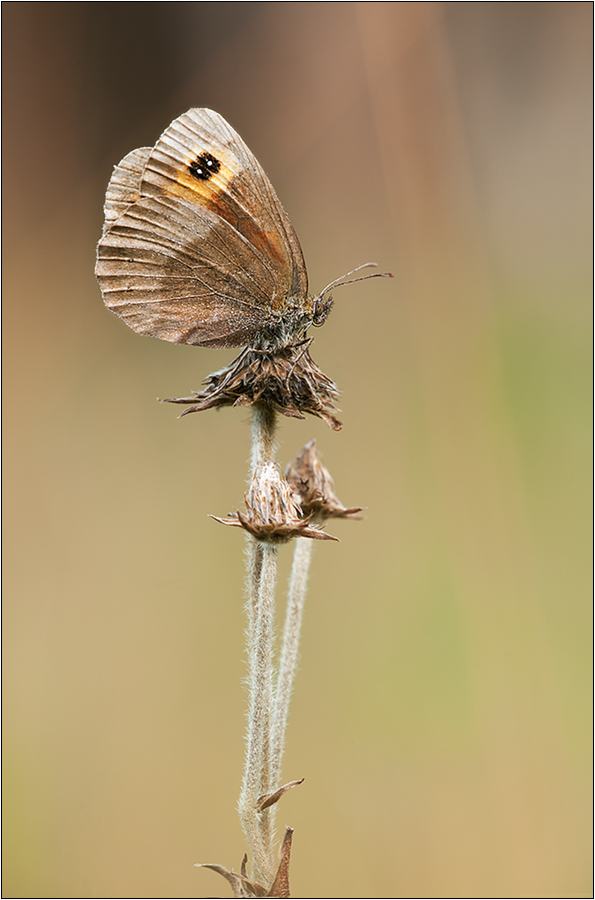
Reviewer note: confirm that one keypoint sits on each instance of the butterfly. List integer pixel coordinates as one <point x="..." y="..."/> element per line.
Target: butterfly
<point x="197" y="248"/>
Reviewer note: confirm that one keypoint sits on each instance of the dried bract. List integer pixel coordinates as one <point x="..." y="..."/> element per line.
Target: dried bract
<point x="272" y="513"/>
<point x="242" y="886"/>
<point x="286" y="378"/>
<point x="312" y="482"/>
<point x="270" y="799"/>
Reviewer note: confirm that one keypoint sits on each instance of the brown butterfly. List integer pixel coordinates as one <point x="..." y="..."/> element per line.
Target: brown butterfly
<point x="196" y="247"/>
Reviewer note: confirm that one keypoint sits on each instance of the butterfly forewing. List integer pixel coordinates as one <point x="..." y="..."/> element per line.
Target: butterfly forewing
<point x="197" y="247"/>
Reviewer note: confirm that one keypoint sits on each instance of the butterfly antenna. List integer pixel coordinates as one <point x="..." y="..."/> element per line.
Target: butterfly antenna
<point x="338" y="282"/>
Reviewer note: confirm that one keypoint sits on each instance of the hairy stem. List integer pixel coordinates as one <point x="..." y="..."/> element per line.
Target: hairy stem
<point x="257" y="773"/>
<point x="261" y="583"/>
<point x="298" y="584"/>
<point x="264" y="430"/>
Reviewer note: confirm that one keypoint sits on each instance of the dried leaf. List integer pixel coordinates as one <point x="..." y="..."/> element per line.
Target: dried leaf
<point x="269" y="799"/>
<point x="280" y="885"/>
<point x="242" y="886"/>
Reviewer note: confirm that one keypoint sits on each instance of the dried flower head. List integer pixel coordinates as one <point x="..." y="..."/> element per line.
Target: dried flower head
<point x="286" y="378"/>
<point x="312" y="482"/>
<point x="272" y="512"/>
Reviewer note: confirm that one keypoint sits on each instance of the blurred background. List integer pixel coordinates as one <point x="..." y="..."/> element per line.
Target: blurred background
<point x="442" y="710"/>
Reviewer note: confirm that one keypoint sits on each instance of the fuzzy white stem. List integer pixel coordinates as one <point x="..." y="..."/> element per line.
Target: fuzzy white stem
<point x="298" y="584"/>
<point x="257" y="773"/>
<point x="264" y="428"/>
<point x="261" y="583"/>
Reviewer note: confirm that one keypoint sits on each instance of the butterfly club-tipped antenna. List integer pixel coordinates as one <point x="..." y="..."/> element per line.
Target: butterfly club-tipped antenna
<point x="325" y="305"/>
<point x="338" y="282"/>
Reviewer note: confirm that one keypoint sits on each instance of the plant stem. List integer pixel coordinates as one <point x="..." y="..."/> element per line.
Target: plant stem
<point x="261" y="582"/>
<point x="264" y="430"/>
<point x="257" y="773"/>
<point x="298" y="584"/>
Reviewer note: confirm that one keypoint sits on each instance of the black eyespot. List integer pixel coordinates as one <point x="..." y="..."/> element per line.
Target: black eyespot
<point x="204" y="166"/>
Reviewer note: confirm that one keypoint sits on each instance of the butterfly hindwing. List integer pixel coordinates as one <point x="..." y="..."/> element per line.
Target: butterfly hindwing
<point x="124" y="186"/>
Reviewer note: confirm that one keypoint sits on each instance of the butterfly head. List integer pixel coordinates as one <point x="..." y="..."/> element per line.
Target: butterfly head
<point x="291" y="325"/>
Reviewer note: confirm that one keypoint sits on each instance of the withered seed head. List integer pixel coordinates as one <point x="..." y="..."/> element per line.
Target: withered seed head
<point x="312" y="482"/>
<point x="272" y="512"/>
<point x="286" y="378"/>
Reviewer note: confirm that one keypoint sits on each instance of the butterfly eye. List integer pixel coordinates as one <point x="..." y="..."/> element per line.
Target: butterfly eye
<point x="322" y="307"/>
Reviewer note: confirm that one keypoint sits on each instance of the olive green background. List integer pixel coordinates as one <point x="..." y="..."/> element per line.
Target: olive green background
<point x="442" y="711"/>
